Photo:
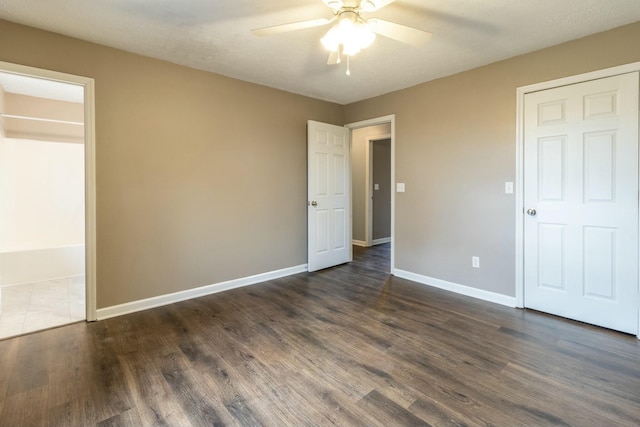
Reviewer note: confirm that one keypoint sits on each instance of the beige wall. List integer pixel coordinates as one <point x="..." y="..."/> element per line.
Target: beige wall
<point x="200" y="178"/>
<point x="455" y="148"/>
<point x="359" y="139"/>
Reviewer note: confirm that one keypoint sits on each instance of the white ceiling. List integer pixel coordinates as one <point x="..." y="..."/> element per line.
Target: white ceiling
<point x="215" y="35"/>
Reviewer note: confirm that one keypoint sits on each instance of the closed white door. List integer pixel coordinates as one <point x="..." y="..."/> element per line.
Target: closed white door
<point x="581" y="202"/>
<point x="329" y="195"/>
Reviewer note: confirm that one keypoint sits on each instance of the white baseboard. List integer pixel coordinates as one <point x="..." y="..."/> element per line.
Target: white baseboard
<point x="144" y="304"/>
<point x="381" y="241"/>
<point x="458" y="289"/>
<point x="373" y="243"/>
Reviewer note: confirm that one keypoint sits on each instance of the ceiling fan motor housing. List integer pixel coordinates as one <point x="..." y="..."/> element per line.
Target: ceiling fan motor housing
<point x="364" y="5"/>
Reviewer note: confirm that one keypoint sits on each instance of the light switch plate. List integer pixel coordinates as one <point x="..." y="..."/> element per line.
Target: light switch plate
<point x="508" y="187"/>
<point x="376" y="186"/>
<point x="400" y="187"/>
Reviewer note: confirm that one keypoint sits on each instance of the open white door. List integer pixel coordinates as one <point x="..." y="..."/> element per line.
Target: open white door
<point x="329" y="195"/>
<point x="581" y="201"/>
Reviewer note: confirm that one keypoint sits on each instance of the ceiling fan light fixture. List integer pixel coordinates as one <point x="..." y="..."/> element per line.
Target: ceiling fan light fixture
<point x="351" y="47"/>
<point x="346" y="24"/>
<point x="351" y="33"/>
<point x="364" y="35"/>
<point x="331" y="40"/>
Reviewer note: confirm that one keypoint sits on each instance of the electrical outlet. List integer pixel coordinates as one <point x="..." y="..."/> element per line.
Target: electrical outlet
<point x="475" y="262"/>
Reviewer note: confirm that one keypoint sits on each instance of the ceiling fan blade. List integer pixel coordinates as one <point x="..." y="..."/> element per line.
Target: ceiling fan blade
<point x="334" y="58"/>
<point x="277" y="29"/>
<point x="401" y="33"/>
<point x="334" y="4"/>
<point x="373" y="5"/>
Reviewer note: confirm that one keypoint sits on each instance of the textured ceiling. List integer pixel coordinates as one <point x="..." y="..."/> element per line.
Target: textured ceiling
<point x="215" y="35"/>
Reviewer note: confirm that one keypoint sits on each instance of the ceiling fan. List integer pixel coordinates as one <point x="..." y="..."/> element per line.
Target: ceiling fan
<point x="352" y="32"/>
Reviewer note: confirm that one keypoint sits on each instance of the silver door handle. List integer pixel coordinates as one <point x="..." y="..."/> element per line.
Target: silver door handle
<point x="313" y="203"/>
<point x="531" y="212"/>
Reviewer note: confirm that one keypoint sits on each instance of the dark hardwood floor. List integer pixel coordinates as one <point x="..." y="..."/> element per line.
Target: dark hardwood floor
<point x="346" y="346"/>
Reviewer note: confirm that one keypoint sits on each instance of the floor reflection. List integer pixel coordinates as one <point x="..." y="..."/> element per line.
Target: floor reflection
<point x="35" y="306"/>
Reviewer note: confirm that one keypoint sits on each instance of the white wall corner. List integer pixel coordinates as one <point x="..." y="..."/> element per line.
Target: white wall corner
<point x="457" y="288"/>
<point x="145" y="304"/>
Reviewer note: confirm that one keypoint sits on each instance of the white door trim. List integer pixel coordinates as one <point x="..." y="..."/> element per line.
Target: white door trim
<point x="368" y="184"/>
<point x="519" y="206"/>
<point x="372" y="122"/>
<point x="90" y="169"/>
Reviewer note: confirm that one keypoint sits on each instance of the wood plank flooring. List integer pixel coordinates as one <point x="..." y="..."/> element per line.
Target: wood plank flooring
<point x="347" y="346"/>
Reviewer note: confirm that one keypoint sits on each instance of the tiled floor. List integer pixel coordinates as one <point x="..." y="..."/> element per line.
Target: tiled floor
<point x="35" y="306"/>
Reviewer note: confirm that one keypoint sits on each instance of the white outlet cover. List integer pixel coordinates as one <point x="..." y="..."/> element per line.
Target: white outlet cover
<point x="376" y="186"/>
<point x="400" y="187"/>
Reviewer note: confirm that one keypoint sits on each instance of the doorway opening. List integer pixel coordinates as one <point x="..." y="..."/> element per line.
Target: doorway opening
<point x="373" y="180"/>
<point x="47" y="218"/>
<point x="378" y="189"/>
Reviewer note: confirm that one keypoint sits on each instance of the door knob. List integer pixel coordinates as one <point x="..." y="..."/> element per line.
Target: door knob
<point x="313" y="203"/>
<point x="531" y="212"/>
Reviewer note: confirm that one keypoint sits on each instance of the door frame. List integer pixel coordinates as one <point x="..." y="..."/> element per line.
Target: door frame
<point x="519" y="205"/>
<point x="89" y="167"/>
<point x="372" y="122"/>
<point x="368" y="182"/>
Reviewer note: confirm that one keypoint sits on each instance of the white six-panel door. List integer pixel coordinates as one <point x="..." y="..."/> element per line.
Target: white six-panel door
<point x="329" y="195"/>
<point x="581" y="202"/>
